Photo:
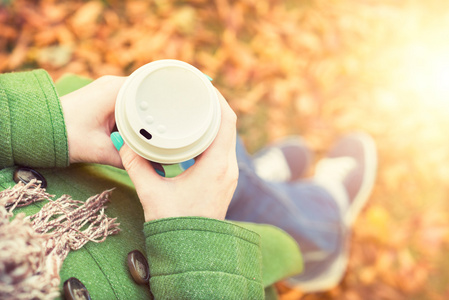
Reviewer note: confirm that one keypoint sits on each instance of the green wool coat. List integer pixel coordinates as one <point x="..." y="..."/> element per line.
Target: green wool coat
<point x="189" y="258"/>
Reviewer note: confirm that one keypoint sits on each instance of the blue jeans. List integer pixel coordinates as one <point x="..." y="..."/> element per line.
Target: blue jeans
<point x="303" y="209"/>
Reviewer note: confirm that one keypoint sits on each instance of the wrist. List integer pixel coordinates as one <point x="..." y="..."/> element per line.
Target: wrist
<point x="65" y="104"/>
<point x="154" y="213"/>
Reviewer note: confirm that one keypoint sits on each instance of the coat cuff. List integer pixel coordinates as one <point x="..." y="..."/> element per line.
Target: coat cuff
<point x="201" y="258"/>
<point x="32" y="124"/>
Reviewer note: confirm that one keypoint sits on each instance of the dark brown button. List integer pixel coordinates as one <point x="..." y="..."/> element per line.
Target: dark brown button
<point x="75" y="290"/>
<point x="25" y="175"/>
<point x="138" y="267"/>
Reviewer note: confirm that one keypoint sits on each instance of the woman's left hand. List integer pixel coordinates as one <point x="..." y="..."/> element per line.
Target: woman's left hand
<point x="204" y="190"/>
<point x="89" y="118"/>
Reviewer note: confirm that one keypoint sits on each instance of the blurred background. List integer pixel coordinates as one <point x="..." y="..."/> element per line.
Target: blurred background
<point x="317" y="68"/>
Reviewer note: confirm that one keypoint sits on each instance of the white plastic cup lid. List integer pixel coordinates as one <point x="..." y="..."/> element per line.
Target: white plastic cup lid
<point x="168" y="111"/>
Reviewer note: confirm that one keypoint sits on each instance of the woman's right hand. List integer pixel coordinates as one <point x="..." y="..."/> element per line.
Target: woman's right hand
<point x="89" y="119"/>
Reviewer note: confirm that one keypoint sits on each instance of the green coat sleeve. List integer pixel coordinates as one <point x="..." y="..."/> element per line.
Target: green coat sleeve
<point x="200" y="258"/>
<point x="281" y="256"/>
<point x="32" y="129"/>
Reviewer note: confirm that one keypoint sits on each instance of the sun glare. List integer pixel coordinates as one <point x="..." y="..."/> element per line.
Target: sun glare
<point x="423" y="65"/>
<point x="424" y="74"/>
<point x="440" y="78"/>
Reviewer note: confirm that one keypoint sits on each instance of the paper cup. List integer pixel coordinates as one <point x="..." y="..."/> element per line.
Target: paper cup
<point x="168" y="111"/>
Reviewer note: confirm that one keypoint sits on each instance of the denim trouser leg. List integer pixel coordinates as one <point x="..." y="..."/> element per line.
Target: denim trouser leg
<point x="303" y="209"/>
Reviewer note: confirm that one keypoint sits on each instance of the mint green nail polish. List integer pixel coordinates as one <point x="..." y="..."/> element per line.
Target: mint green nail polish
<point x="117" y="140"/>
<point x="208" y="77"/>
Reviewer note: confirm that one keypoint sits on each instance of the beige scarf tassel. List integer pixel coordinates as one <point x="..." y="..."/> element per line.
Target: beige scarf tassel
<point x="33" y="248"/>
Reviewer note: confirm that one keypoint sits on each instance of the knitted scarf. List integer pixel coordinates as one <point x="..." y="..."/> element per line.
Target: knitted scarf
<point x="33" y="248"/>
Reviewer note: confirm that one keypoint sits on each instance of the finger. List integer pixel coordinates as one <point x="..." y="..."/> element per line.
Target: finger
<point x="110" y="85"/>
<point x="224" y="143"/>
<point x="139" y="169"/>
<point x="108" y="153"/>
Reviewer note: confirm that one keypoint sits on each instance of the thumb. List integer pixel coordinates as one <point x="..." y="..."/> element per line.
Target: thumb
<point x="139" y="169"/>
<point x="110" y="157"/>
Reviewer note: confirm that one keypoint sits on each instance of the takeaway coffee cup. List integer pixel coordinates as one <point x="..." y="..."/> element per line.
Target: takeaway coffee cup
<point x="168" y="111"/>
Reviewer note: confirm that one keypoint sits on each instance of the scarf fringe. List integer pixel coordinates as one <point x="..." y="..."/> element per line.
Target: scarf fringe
<point x="32" y="249"/>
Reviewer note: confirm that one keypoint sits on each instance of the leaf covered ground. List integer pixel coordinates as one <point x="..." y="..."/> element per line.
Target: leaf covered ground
<point x="317" y="68"/>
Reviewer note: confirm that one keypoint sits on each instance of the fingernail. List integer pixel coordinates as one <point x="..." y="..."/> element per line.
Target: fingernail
<point x="208" y="77"/>
<point x="117" y="140"/>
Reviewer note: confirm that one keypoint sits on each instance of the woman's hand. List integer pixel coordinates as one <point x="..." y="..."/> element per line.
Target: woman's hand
<point x="89" y="118"/>
<point x="204" y="190"/>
